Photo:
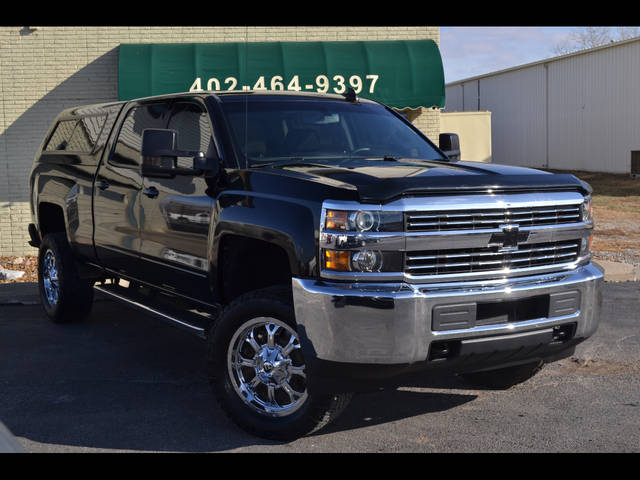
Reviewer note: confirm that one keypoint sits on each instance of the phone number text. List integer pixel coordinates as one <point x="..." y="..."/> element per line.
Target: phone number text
<point x="322" y="84"/>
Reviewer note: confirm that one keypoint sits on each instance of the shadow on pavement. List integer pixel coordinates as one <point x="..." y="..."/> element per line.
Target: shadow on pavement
<point x="124" y="381"/>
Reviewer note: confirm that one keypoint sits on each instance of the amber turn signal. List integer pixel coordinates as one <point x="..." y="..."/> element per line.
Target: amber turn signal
<point x="337" y="260"/>
<point x="336" y="220"/>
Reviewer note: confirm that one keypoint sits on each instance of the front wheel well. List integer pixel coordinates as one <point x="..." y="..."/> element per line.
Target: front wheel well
<point x="247" y="264"/>
<point x="50" y="219"/>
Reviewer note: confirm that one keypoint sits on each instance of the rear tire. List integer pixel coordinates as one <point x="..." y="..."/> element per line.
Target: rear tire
<point x="65" y="297"/>
<point x="503" y="378"/>
<point x="256" y="368"/>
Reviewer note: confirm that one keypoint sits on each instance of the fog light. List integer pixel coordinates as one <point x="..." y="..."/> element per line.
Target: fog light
<point x="367" y="261"/>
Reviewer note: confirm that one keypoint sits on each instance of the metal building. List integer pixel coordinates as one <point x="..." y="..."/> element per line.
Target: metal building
<point x="579" y="111"/>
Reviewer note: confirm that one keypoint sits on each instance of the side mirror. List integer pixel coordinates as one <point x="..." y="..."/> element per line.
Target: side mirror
<point x="450" y="145"/>
<point x="160" y="156"/>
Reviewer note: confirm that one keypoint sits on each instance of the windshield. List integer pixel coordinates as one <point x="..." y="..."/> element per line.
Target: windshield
<point x="269" y="129"/>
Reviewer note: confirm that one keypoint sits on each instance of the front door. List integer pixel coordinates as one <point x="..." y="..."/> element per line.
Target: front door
<point x="176" y="212"/>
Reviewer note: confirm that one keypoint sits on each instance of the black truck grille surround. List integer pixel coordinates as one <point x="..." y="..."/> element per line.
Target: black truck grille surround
<point x="490" y="218"/>
<point x="470" y="260"/>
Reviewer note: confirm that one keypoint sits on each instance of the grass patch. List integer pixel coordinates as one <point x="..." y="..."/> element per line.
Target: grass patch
<point x="614" y="191"/>
<point x="616" y="212"/>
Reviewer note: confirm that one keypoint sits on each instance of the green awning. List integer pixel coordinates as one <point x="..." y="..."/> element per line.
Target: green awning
<point x="399" y="73"/>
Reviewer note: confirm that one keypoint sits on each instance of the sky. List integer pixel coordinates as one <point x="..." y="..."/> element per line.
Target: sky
<point x="471" y="51"/>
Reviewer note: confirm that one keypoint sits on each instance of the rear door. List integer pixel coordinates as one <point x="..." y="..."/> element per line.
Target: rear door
<point x="117" y="192"/>
<point x="176" y="212"/>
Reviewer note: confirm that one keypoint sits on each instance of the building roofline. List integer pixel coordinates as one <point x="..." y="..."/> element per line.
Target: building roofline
<point x="546" y="60"/>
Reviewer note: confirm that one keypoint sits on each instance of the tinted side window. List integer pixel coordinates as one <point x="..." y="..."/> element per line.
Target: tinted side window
<point x="76" y="135"/>
<point x="86" y="134"/>
<point x="129" y="144"/>
<point x="61" y="135"/>
<point x="194" y="132"/>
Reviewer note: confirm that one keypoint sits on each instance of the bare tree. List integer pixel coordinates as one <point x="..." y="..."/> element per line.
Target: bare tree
<point x="589" y="37"/>
<point x="628" y="32"/>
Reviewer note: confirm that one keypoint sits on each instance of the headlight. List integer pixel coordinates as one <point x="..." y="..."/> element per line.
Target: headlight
<point x="587" y="210"/>
<point x="363" y="221"/>
<point x="585" y="246"/>
<point x="366" y="260"/>
<point x="357" y="241"/>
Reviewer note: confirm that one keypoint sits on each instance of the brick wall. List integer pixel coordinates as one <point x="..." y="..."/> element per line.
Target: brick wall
<point x="52" y="68"/>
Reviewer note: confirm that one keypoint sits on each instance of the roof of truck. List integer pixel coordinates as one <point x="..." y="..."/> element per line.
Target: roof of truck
<point x="334" y="96"/>
<point x="99" y="108"/>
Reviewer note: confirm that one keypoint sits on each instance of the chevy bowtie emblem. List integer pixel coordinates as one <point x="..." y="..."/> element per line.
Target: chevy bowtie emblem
<point x="510" y="237"/>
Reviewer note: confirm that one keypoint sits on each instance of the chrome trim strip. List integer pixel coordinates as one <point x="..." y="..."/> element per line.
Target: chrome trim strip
<point x="481" y="219"/>
<point x="486" y="274"/>
<point x="506" y="273"/>
<point x="363" y="276"/>
<point x="409" y="241"/>
<point x="479" y="238"/>
<point x="501" y="328"/>
<point x="464" y="202"/>
<point x="355" y="241"/>
<point x="484" y="254"/>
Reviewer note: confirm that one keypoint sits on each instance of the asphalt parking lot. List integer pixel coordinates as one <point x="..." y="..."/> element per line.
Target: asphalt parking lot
<point x="126" y="382"/>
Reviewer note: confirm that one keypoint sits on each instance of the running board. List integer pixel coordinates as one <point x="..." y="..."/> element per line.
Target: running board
<point x="196" y="323"/>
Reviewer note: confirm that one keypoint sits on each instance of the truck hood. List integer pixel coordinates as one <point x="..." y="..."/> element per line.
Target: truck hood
<point x="380" y="181"/>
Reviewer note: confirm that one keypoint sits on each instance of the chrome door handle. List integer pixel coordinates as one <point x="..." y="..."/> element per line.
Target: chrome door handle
<point x="151" y="192"/>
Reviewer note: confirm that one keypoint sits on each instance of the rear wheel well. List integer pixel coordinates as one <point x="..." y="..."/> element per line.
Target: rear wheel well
<point x="247" y="264"/>
<point x="50" y="219"/>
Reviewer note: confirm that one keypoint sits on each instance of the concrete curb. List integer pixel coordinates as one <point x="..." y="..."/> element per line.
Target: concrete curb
<point x="619" y="272"/>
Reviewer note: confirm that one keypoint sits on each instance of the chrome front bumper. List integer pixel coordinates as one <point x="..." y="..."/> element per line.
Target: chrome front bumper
<point x="391" y="324"/>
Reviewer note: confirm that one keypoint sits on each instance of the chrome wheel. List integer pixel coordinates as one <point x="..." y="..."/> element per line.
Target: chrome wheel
<point x="50" y="278"/>
<point x="266" y="367"/>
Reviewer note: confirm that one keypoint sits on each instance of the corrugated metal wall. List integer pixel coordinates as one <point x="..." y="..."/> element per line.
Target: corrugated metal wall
<point x="577" y="112"/>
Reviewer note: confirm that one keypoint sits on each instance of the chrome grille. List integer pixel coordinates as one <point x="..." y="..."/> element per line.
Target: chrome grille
<point x="490" y="218"/>
<point x="441" y="262"/>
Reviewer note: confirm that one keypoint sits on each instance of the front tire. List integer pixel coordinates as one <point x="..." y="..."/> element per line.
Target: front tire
<point x="257" y="370"/>
<point x="65" y="297"/>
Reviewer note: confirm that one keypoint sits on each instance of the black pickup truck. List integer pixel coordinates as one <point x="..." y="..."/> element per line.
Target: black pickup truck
<point x="320" y="244"/>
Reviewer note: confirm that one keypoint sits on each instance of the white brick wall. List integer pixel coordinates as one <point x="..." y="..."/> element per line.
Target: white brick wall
<point x="54" y="68"/>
